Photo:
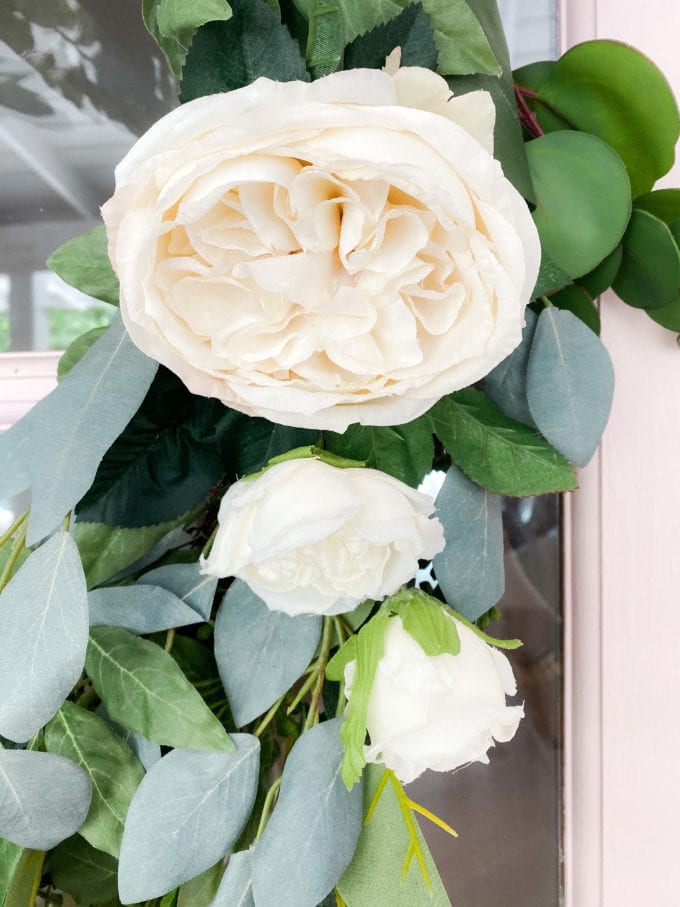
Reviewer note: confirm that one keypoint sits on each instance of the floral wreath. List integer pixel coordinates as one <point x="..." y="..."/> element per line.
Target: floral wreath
<point x="360" y="249"/>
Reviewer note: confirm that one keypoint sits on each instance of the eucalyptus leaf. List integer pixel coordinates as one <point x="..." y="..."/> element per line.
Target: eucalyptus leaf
<point x="112" y="767"/>
<point x="570" y="384"/>
<point x="551" y="277"/>
<point x="494" y="451"/>
<point x="76" y="350"/>
<point x="507" y="383"/>
<point x="604" y="88"/>
<point x="229" y="55"/>
<point x="43" y="627"/>
<point x="172" y="24"/>
<point x="236" y="887"/>
<point x="186" y="582"/>
<point x="144" y="690"/>
<point x="139" y="608"/>
<point x="375" y="876"/>
<point x="83" y="263"/>
<point x="44" y="798"/>
<point x="315" y="825"/>
<point x="410" y="30"/>
<point x="188" y="812"/>
<point x="602" y="277"/>
<point x="325" y="40"/>
<point x="145" y="750"/>
<point x="260" y="653"/>
<point x="668" y="316"/>
<point x="649" y="276"/>
<point x="87" y="874"/>
<point x="15" y="451"/>
<point x="470" y="569"/>
<point x="583" y="200"/>
<point x="662" y="203"/>
<point x="75" y="425"/>
<point x="576" y="300"/>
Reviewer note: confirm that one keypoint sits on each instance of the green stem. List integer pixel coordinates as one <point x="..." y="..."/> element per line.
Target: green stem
<point x="313" y="714"/>
<point x="13" y="528"/>
<point x="170" y="639"/>
<point x="266" y="808"/>
<point x="304" y="689"/>
<point x="17" y="547"/>
<point x="268" y="717"/>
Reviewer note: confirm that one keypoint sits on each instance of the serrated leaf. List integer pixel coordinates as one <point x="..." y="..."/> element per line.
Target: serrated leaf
<point x="649" y="275"/>
<point x="410" y="30"/>
<point x="236" y="887"/>
<point x="229" y="55"/>
<point x="76" y="424"/>
<point x="260" y="653"/>
<point x="188" y="812"/>
<point x="325" y="40"/>
<point x="187" y="582"/>
<point x="258" y="441"/>
<point x="570" y="384"/>
<point x="507" y="383"/>
<point x="44" y="798"/>
<point x="88" y="875"/>
<point x="43" y="627"/>
<point x="426" y="621"/>
<point x="470" y="569"/>
<point x="139" y="608"/>
<point x="315" y="825"/>
<point x="404" y="451"/>
<point x="113" y="769"/>
<point x="83" y="263"/>
<point x="172" y="24"/>
<point x="144" y="690"/>
<point x="375" y="874"/>
<point x="494" y="451"/>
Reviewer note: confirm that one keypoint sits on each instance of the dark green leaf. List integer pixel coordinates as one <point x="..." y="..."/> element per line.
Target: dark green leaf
<point x="576" y="300"/>
<point x="662" y="203"/>
<point x="404" y="451"/>
<point x="533" y="75"/>
<point x="144" y="690"/>
<point x="172" y="23"/>
<point x="88" y="875"/>
<point x="582" y="198"/>
<point x="83" y="263"/>
<point x="668" y="316"/>
<point x="604" y="88"/>
<point x="410" y="30"/>
<point x="494" y="451"/>
<point x="551" y="277"/>
<point x="325" y="40"/>
<point x="649" y="276"/>
<point x="507" y="383"/>
<point x="259" y="440"/>
<point x="112" y="767"/>
<point x="228" y="55"/>
<point x="77" y="350"/>
<point x="602" y="277"/>
<point x="570" y="384"/>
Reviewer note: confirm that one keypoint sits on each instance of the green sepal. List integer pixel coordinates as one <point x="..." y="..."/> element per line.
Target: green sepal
<point x="83" y="263"/>
<point x="425" y="619"/>
<point x="489" y="640"/>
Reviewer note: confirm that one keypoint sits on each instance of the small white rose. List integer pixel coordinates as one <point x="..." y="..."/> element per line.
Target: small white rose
<point x="437" y="712"/>
<point x="310" y="538"/>
<point x="324" y="253"/>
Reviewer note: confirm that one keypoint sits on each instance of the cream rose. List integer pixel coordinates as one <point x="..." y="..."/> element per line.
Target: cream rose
<point x="342" y="251"/>
<point x="310" y="538"/>
<point x="437" y="712"/>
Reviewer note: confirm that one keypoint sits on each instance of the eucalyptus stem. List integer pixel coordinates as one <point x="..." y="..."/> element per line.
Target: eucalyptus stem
<point x="13" y="528"/>
<point x="304" y="689"/>
<point x="17" y="547"/>
<point x="268" y="717"/>
<point x="267" y="807"/>
<point x="170" y="639"/>
<point x="313" y="714"/>
<point x="67" y="522"/>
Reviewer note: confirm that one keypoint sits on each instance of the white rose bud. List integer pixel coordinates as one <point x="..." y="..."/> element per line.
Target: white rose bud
<point x="437" y="711"/>
<point x="325" y="253"/>
<point x="310" y="538"/>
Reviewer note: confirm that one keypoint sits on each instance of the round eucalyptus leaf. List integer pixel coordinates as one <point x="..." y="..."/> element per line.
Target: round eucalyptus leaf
<point x="602" y="277"/>
<point x="649" y="276"/>
<point x="583" y="198"/>
<point x="662" y="203"/>
<point x="533" y="75"/>
<point x="576" y="300"/>
<point x="606" y="88"/>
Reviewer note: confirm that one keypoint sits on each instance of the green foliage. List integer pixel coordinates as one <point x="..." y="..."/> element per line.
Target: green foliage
<point x="662" y="203"/>
<point x="507" y="383"/>
<point x="83" y="263"/>
<point x="575" y="299"/>
<point x="606" y="88"/>
<point x="89" y="875"/>
<point x="494" y="451"/>
<point x="426" y="621"/>
<point x="10" y="858"/>
<point x="228" y="55"/>
<point x="649" y="276"/>
<point x="200" y="891"/>
<point x="551" y="277"/>
<point x="325" y="40"/>
<point x="410" y="30"/>
<point x="25" y="879"/>
<point x="77" y="349"/>
<point x="144" y="690"/>
<point x="602" y="277"/>
<point x="582" y="197"/>
<point x="171" y="23"/>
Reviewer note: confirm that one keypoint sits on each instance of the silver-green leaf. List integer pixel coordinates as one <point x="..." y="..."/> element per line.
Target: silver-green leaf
<point x="236" y="887"/>
<point x="139" y="608"/>
<point x="187" y="582"/>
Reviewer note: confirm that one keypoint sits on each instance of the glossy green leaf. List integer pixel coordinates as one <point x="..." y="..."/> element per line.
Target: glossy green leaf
<point x="375" y="875"/>
<point x="144" y="690"/>
<point x="228" y="55"/>
<point x="551" y="277"/>
<point x="404" y="451"/>
<point x="570" y="384"/>
<point x="470" y="570"/>
<point x="494" y="451"/>
<point x="576" y="300"/>
<point x="602" y="277"/>
<point x="44" y="797"/>
<point x="260" y="653"/>
<point x="236" y="887"/>
<point x="201" y="891"/>
<point x="83" y="263"/>
<point x="507" y="383"/>
<point x="604" y="88"/>
<point x="88" y="875"/>
<point x="188" y="812"/>
<point x="425" y="619"/>
<point x="533" y="75"/>
<point x="649" y="276"/>
<point x="582" y="198"/>
<point x="410" y="30"/>
<point x="113" y="769"/>
<point x="43" y="628"/>
<point x="315" y="825"/>
<point x="172" y="24"/>
<point x="668" y="316"/>
<point x="140" y="609"/>
<point x="186" y="582"/>
<point x="662" y="203"/>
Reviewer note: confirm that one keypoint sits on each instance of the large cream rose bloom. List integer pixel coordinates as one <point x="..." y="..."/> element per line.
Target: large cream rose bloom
<point x="324" y="253"/>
